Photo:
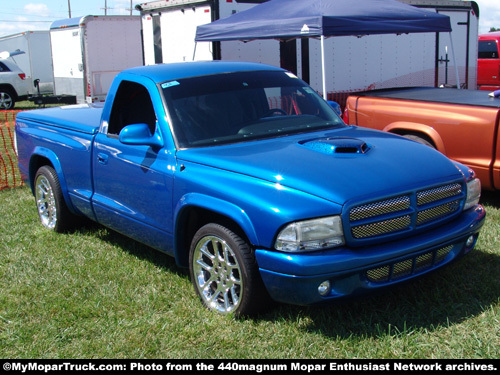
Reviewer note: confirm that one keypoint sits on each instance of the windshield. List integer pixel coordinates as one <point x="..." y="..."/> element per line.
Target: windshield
<point x="236" y="107"/>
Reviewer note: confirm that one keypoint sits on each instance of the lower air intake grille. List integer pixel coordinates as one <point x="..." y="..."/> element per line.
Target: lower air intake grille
<point x="408" y="267"/>
<point x="404" y="213"/>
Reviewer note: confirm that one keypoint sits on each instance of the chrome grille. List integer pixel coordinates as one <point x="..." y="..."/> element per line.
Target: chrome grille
<point x="437" y="212"/>
<point x="408" y="267"/>
<point x="381" y="227"/>
<point x="379" y="208"/>
<point x="441" y="192"/>
<point x="404" y="213"/>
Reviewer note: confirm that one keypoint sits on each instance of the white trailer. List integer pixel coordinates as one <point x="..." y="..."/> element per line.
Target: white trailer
<point x="169" y="28"/>
<point x="352" y="63"/>
<point x="36" y="62"/>
<point x="417" y="59"/>
<point x="88" y="52"/>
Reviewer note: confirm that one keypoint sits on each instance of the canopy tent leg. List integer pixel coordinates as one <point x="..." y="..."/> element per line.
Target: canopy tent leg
<point x="454" y="60"/>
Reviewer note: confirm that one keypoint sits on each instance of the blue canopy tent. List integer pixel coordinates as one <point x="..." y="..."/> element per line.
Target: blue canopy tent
<point x="289" y="19"/>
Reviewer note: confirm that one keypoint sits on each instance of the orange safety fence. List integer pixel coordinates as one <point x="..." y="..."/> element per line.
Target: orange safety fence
<point x="9" y="172"/>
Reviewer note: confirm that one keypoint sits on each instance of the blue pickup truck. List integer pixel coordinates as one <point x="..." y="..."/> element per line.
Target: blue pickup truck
<point x="251" y="180"/>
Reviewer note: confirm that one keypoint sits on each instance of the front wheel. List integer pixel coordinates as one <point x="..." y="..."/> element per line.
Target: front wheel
<point x="52" y="209"/>
<point x="224" y="272"/>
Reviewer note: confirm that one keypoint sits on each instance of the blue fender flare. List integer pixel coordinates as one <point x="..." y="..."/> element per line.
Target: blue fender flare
<point x="219" y="206"/>
<point x="49" y="155"/>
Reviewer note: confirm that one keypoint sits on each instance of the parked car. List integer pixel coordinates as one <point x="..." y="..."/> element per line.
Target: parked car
<point x="13" y="83"/>
<point x="488" y="62"/>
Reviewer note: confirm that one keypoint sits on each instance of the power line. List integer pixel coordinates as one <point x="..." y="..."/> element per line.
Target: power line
<point x="25" y="21"/>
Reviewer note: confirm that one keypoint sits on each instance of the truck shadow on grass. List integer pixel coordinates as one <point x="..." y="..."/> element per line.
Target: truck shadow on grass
<point x="491" y="198"/>
<point x="134" y="248"/>
<point x="456" y="293"/>
<point x="459" y="291"/>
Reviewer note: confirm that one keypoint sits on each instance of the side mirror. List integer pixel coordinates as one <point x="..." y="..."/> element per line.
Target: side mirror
<point x="139" y="134"/>
<point x="336" y="107"/>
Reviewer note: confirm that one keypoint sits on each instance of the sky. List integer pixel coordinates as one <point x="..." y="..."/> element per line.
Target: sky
<point x="28" y="15"/>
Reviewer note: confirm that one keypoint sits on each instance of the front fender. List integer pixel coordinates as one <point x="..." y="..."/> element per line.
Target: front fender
<point x="219" y="206"/>
<point x="404" y="127"/>
<point x="232" y="211"/>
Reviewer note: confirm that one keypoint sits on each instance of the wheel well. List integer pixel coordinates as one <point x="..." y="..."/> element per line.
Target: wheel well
<point x="10" y="89"/>
<point x="424" y="136"/>
<point x="36" y="163"/>
<point x="190" y="221"/>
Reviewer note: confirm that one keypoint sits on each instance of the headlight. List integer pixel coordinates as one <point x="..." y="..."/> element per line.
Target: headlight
<point x="473" y="193"/>
<point x="316" y="234"/>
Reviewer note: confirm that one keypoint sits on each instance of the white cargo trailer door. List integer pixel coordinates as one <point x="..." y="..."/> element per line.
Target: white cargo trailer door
<point x="41" y="60"/>
<point x="178" y="30"/>
<point x="168" y="34"/>
<point x="148" y="37"/>
<point x="67" y="62"/>
<point x="111" y="45"/>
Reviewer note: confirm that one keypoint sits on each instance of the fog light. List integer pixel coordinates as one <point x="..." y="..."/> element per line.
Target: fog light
<point x="470" y="242"/>
<point x="324" y="288"/>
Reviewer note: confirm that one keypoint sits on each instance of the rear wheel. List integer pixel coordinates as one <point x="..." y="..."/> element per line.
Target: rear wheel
<point x="224" y="272"/>
<point x="7" y="100"/>
<point x="52" y="209"/>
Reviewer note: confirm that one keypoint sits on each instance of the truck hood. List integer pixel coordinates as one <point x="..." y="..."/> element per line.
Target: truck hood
<point x="337" y="165"/>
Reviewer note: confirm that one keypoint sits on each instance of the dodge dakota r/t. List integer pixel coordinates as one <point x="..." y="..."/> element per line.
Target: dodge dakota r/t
<point x="250" y="179"/>
<point x="462" y="124"/>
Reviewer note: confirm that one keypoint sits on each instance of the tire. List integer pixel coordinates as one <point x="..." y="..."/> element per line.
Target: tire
<point x="224" y="272"/>
<point x="419" y="139"/>
<point x="51" y="207"/>
<point x="7" y="99"/>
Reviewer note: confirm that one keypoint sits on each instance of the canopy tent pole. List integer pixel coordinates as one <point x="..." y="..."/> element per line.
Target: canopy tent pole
<point x="323" y="72"/>
<point x="454" y="60"/>
<point x="194" y="52"/>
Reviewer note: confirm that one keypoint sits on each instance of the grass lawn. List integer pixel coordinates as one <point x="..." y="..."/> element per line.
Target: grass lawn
<point x="96" y="294"/>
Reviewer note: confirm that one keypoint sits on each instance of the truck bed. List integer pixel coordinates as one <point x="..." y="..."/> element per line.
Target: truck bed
<point x="439" y="95"/>
<point x="83" y="118"/>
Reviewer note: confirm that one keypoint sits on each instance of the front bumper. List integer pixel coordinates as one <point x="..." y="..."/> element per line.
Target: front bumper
<point x="295" y="278"/>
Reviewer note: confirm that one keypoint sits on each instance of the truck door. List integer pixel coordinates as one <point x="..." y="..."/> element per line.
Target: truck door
<point x="133" y="183"/>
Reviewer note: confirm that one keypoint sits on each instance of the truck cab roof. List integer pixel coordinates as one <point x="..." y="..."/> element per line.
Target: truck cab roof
<point x="166" y="72"/>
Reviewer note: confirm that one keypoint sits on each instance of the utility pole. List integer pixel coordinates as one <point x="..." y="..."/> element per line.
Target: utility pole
<point x="106" y="7"/>
<point x="69" y="8"/>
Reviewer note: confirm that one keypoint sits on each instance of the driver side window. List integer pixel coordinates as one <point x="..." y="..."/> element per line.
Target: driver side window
<point x="132" y="105"/>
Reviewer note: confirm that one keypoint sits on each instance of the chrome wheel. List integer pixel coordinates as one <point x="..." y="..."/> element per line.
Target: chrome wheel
<point x="50" y="204"/>
<point x="217" y="274"/>
<point x="45" y="202"/>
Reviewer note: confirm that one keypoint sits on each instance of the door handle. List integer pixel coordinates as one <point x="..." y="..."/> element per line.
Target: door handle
<point x="102" y="158"/>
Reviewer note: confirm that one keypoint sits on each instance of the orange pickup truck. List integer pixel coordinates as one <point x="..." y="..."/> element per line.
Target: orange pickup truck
<point x="462" y="124"/>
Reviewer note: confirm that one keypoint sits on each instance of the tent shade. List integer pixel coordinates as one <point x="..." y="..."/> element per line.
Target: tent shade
<point x="288" y="19"/>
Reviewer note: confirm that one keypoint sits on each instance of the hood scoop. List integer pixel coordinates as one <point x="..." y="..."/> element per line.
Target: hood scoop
<point x="337" y="145"/>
